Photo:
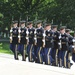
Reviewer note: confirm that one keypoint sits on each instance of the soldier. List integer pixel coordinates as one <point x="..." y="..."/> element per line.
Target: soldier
<point x="55" y="50"/>
<point x="22" y="40"/>
<point x="30" y="47"/>
<point x="39" y="54"/>
<point x="48" y="45"/>
<point x="73" y="49"/>
<point x="64" y="47"/>
<point x="14" y="39"/>
<point x="70" y="42"/>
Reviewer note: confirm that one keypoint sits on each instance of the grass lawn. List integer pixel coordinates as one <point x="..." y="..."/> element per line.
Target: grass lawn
<point x="4" y="48"/>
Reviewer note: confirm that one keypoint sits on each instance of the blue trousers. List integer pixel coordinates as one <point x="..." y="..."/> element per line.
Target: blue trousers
<point x="21" y="48"/>
<point x="53" y="52"/>
<point x="47" y="56"/>
<point x="30" y="52"/>
<point x="39" y="55"/>
<point x="73" y="57"/>
<point x="12" y="48"/>
<point x="63" y="57"/>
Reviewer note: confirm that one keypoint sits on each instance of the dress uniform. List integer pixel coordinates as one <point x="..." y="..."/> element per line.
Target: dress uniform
<point x="64" y="47"/>
<point x="30" y="47"/>
<point x="22" y="40"/>
<point x="14" y="39"/>
<point x="55" y="48"/>
<point x="39" y="54"/>
<point x="48" y="45"/>
<point x="70" y="42"/>
<point x="73" y="49"/>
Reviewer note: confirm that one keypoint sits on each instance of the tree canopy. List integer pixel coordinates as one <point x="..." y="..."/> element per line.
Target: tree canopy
<point x="60" y="12"/>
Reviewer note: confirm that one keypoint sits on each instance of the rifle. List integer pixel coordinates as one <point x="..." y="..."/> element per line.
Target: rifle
<point x="60" y="42"/>
<point x="35" y="37"/>
<point x="27" y="35"/>
<point x="11" y="35"/>
<point x="44" y="35"/>
<point x="60" y="46"/>
<point x="19" y="31"/>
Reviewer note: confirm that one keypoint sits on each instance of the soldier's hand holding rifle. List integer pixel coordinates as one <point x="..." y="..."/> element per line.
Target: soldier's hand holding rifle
<point x="11" y="35"/>
<point x="27" y="37"/>
<point x="35" y="37"/>
<point x="73" y="45"/>
<point x="19" y="36"/>
<point x="60" y="42"/>
<point x="44" y="35"/>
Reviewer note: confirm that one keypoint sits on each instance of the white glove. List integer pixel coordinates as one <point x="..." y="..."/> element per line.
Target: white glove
<point x="11" y="31"/>
<point x="19" y="31"/>
<point x="10" y="37"/>
<point x="35" y="39"/>
<point x="18" y="36"/>
<point x="27" y="38"/>
<point x="73" y="40"/>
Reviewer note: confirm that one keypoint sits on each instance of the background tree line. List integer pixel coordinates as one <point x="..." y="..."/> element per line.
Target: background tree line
<point x="60" y="12"/>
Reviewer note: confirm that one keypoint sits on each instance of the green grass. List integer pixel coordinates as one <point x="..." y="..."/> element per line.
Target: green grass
<point x="4" y="48"/>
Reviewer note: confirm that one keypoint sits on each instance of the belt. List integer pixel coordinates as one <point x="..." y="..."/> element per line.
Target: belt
<point x="39" y="37"/>
<point x="14" y="36"/>
<point x="63" y="42"/>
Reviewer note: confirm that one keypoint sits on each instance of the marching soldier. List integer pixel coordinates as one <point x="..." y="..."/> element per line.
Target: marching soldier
<point x="30" y="47"/>
<point x="14" y="39"/>
<point x="48" y="45"/>
<point x="73" y="49"/>
<point x="55" y="48"/>
<point x="22" y="40"/>
<point x="64" y="48"/>
<point x="70" y="42"/>
<point x="39" y="54"/>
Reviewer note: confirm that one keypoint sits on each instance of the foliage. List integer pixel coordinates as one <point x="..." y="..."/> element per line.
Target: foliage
<point x="4" y="48"/>
<point x="61" y="12"/>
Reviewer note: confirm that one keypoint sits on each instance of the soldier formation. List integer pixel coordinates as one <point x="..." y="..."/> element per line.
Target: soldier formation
<point x="42" y="45"/>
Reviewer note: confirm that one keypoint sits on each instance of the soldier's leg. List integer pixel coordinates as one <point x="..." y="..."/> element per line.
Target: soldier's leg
<point x="28" y="51"/>
<point x="20" y="48"/>
<point x="52" y="61"/>
<point x="23" y="52"/>
<point x="60" y="58"/>
<point x="12" y="47"/>
<point x="45" y="55"/>
<point x="16" y="51"/>
<point x="53" y="53"/>
<point x="64" y="58"/>
<point x="68" y="60"/>
<point x="56" y="57"/>
<point x="35" y="53"/>
<point x="73" y="57"/>
<point x="39" y="55"/>
<point x="49" y="58"/>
